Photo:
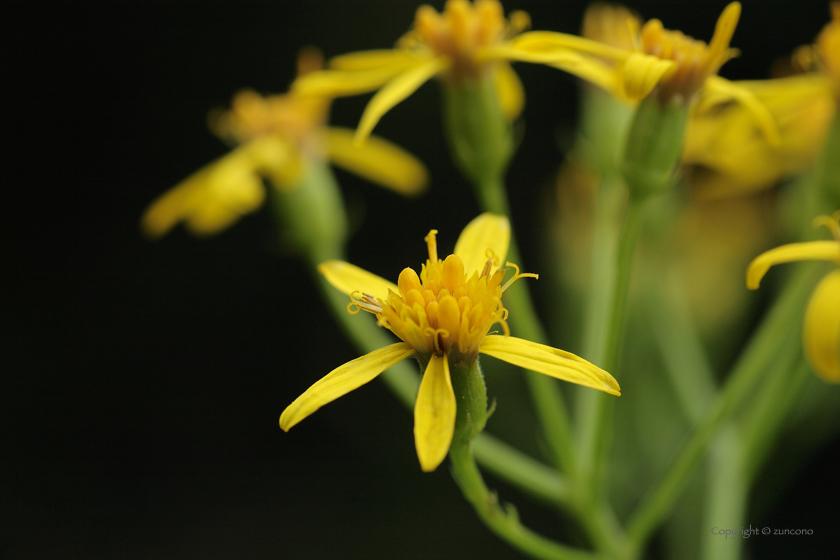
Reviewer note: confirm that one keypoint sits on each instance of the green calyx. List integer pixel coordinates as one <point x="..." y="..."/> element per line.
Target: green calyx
<point x="471" y="398"/>
<point x="479" y="134"/>
<point x="311" y="215"/>
<point x="654" y="146"/>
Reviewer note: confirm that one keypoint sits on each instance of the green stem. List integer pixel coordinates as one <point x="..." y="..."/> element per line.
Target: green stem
<point x="741" y="383"/>
<point x="679" y="344"/>
<point x="727" y="496"/>
<point x="503" y="520"/>
<point x="598" y="407"/>
<point x="769" y="415"/>
<point x="549" y="401"/>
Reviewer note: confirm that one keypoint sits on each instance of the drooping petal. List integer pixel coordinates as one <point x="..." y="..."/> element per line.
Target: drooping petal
<point x="486" y="232"/>
<point x="348" y="278"/>
<point x="377" y="160"/>
<point x="549" y="40"/>
<point x="373" y="59"/>
<point x="640" y="73"/>
<point x="549" y="361"/>
<point x="434" y="414"/>
<point x="395" y="91"/>
<point x="723" y="90"/>
<point x="821" y="332"/>
<point x="342" y="380"/>
<point x="810" y="251"/>
<point x="337" y="83"/>
<point x="510" y="52"/>
<point x="510" y="90"/>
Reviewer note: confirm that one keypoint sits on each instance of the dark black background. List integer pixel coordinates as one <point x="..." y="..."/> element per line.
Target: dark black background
<point x="141" y="382"/>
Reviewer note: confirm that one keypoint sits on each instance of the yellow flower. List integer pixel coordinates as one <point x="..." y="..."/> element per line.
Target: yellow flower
<point x="731" y="155"/>
<point x="732" y="149"/>
<point x="442" y="316"/>
<point x="469" y="41"/>
<point x="821" y="331"/>
<point x="276" y="137"/>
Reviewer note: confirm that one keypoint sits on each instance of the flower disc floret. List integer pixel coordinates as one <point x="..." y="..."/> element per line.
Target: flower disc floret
<point x="445" y="310"/>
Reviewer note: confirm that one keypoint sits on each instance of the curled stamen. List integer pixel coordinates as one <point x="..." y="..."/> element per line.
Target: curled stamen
<point x="437" y="335"/>
<point x="492" y="257"/>
<point x="367" y="302"/>
<point x="517" y="275"/>
<point x="831" y="222"/>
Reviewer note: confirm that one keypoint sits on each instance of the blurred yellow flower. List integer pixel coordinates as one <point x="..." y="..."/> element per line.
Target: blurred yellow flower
<point x="275" y="137"/>
<point x="442" y="316"/>
<point x="727" y="144"/>
<point x="821" y="331"/>
<point x="469" y="41"/>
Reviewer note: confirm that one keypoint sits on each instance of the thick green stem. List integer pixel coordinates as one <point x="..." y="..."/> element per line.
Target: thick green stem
<point x="741" y="383"/>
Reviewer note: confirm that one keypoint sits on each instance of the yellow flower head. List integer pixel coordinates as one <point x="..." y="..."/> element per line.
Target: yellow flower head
<point x="821" y="331"/>
<point x="469" y="41"/>
<point x="828" y="47"/>
<point x="463" y="33"/>
<point x="695" y="60"/>
<point x="442" y="316"/>
<point x="274" y="137"/>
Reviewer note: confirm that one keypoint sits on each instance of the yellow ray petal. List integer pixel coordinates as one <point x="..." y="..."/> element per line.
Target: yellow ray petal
<point x="434" y="414"/>
<point x="373" y="60"/>
<point x="549" y="361"/>
<point x="395" y="91"/>
<point x="640" y="73"/>
<point x="810" y="251"/>
<point x="337" y="83"/>
<point x="724" y="30"/>
<point x="486" y="232"/>
<point x="509" y="52"/>
<point x="509" y="89"/>
<point x="348" y="278"/>
<point x="377" y="160"/>
<point x="723" y="90"/>
<point x="547" y="40"/>
<point x="342" y="380"/>
<point x="821" y="333"/>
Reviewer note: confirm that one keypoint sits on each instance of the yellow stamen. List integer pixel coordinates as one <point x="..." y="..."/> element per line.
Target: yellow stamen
<point x="431" y="242"/>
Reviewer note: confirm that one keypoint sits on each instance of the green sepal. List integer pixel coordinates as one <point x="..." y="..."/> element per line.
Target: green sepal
<point x="654" y="145"/>
<point x="471" y="398"/>
<point x="479" y="134"/>
<point x="311" y="215"/>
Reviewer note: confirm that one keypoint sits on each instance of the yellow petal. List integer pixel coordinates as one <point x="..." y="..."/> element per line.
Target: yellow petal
<point x="488" y="233"/>
<point x="547" y="40"/>
<point x="337" y="83"/>
<point x="377" y="160"/>
<point x="821" y="333"/>
<point x="348" y="278"/>
<point x="372" y="60"/>
<point x="723" y="90"/>
<point x="640" y="73"/>
<point x="724" y="30"/>
<point x="810" y="251"/>
<point x="509" y="52"/>
<point x="434" y="414"/>
<point x="510" y="91"/>
<point x="342" y="380"/>
<point x="395" y="91"/>
<point x="549" y="361"/>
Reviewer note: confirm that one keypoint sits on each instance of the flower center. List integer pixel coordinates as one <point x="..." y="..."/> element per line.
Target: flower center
<point x="695" y="60"/>
<point x="444" y="310"/>
<point x="289" y="116"/>
<point x="461" y="30"/>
